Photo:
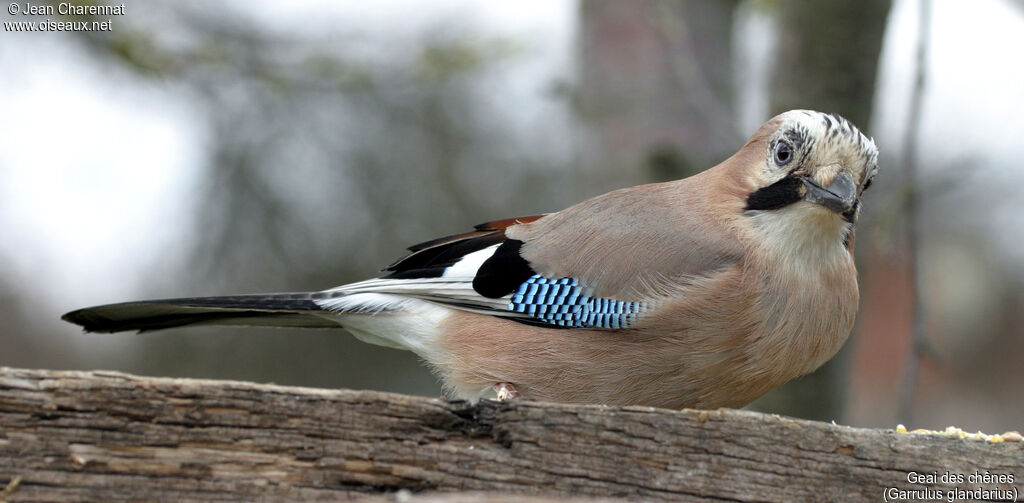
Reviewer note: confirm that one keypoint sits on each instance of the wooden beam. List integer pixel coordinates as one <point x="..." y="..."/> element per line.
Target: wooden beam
<point x="88" y="436"/>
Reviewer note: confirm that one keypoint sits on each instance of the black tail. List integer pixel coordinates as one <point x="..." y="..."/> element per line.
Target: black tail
<point x="275" y="310"/>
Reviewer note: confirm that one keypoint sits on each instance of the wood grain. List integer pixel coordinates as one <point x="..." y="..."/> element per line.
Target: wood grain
<point x="107" y="436"/>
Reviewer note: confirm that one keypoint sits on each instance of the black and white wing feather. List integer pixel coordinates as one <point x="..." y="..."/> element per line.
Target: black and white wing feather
<point x="483" y="271"/>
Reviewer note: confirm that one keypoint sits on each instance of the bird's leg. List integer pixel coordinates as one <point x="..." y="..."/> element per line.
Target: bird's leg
<point x="505" y="391"/>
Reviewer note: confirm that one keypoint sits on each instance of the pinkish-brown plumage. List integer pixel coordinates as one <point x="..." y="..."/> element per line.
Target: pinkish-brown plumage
<point x="704" y="292"/>
<point x="731" y="323"/>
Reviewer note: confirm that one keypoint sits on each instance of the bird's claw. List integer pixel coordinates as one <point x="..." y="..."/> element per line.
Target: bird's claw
<point x="505" y="391"/>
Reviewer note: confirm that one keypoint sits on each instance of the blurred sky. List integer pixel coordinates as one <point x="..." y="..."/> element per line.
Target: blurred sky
<point x="974" y="97"/>
<point x="80" y="144"/>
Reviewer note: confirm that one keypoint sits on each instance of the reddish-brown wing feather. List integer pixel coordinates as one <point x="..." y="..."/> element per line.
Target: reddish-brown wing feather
<point x="481" y="229"/>
<point x="494" y="225"/>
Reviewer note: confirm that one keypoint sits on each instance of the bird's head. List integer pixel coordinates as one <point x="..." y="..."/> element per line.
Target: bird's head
<point x="811" y="170"/>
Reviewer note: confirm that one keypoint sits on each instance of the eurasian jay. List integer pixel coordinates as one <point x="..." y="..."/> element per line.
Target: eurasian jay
<point x="705" y="292"/>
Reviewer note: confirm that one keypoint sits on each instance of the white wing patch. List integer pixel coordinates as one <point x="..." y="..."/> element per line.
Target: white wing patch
<point x="468" y="265"/>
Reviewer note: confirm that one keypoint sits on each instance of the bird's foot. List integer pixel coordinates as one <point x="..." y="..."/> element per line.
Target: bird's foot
<point x="505" y="391"/>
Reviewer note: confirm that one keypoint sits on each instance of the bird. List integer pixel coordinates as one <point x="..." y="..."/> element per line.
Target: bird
<point x="704" y="292"/>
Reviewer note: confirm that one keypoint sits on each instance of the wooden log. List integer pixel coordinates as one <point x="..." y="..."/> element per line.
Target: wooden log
<point x="108" y="436"/>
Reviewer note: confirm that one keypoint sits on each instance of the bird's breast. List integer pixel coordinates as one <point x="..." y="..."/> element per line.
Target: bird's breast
<point x="806" y="313"/>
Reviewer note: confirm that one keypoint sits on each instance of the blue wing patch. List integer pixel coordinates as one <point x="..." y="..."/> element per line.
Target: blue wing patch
<point x="562" y="302"/>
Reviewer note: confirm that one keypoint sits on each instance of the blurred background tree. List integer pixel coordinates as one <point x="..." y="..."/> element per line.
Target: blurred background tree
<point x="325" y="146"/>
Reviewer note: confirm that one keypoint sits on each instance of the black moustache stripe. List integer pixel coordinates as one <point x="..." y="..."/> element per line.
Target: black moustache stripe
<point x="777" y="195"/>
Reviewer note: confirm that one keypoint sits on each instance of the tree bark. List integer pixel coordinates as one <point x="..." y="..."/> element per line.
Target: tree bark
<point x="107" y="436"/>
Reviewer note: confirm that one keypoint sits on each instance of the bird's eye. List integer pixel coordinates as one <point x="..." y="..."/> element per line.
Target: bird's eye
<point x="783" y="153"/>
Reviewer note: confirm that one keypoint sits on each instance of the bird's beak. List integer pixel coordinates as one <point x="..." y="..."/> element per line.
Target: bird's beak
<point x="839" y="196"/>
